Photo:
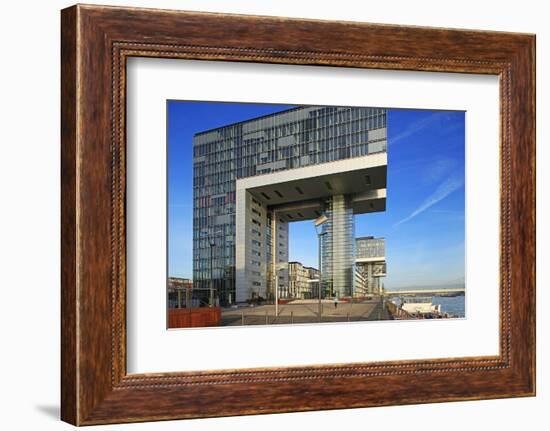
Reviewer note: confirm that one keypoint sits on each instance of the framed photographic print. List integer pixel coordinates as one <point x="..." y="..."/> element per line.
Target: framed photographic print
<point x="286" y="207"/>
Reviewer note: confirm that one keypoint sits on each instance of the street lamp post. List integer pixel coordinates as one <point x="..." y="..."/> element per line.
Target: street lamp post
<point x="318" y="222"/>
<point x="274" y="261"/>
<point x="211" y="298"/>
<point x="212" y="243"/>
<point x="320" y="283"/>
<point x="320" y="277"/>
<point x="276" y="271"/>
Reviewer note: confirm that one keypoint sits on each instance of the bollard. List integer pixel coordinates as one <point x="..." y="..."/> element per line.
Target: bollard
<point x="292" y="317"/>
<point x="266" y="319"/>
<point x="242" y="318"/>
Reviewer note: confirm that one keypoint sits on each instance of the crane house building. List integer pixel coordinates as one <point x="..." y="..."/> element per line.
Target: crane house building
<point x="253" y="178"/>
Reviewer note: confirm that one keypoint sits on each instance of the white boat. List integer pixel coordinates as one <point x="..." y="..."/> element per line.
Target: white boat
<point x="421" y="307"/>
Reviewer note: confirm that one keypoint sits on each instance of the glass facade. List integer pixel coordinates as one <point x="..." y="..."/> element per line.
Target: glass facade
<point x="370" y="264"/>
<point x="338" y="247"/>
<point x="291" y="139"/>
<point x="302" y="281"/>
<point x="369" y="247"/>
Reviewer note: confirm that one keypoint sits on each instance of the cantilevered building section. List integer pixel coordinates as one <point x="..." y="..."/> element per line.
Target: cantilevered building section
<point x="370" y="262"/>
<point x="253" y="178"/>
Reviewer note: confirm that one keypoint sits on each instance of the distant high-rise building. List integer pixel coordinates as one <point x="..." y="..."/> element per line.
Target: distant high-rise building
<point x="370" y="264"/>
<point x="251" y="179"/>
<point x="179" y="291"/>
<point x="302" y="281"/>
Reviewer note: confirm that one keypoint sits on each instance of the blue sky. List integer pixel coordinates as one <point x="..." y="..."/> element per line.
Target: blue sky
<point x="424" y="219"/>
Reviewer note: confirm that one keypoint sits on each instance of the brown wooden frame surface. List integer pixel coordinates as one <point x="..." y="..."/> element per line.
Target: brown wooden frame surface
<point x="95" y="43"/>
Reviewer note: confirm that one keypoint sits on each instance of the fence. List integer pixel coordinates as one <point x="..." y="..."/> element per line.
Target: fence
<point x="397" y="312"/>
<point x="194" y="317"/>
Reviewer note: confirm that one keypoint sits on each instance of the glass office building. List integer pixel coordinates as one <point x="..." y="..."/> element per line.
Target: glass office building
<point x="302" y="141"/>
<point x="337" y="249"/>
<point x="370" y="262"/>
<point x="302" y="281"/>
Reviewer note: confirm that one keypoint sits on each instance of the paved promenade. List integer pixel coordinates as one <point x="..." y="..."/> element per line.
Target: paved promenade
<point x="304" y="312"/>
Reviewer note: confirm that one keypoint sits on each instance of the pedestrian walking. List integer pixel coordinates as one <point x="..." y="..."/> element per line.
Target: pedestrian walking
<point x="335" y="302"/>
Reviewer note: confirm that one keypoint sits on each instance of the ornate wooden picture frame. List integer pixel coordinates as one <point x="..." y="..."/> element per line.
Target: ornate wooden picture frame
<point x="96" y="41"/>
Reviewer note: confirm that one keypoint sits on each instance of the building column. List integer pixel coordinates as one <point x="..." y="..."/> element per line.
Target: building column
<point x="338" y="247"/>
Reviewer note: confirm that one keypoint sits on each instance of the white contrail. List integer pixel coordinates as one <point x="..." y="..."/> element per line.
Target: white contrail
<point x="445" y="189"/>
<point x="415" y="127"/>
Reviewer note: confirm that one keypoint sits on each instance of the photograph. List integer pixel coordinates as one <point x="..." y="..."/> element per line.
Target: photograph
<point x="300" y="214"/>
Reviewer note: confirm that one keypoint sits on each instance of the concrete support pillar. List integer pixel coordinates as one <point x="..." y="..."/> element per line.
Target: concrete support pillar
<point x="338" y="245"/>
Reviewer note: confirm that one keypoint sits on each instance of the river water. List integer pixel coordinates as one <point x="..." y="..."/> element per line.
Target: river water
<point x="454" y="305"/>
